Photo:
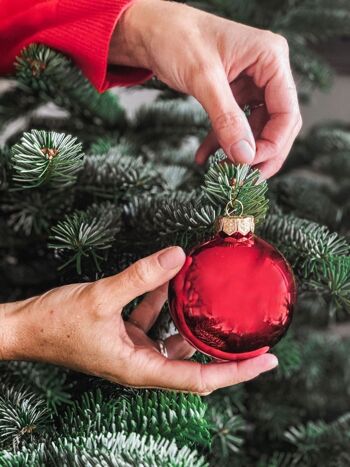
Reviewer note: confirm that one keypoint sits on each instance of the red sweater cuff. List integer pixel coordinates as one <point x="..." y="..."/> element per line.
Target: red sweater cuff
<point x="86" y="28"/>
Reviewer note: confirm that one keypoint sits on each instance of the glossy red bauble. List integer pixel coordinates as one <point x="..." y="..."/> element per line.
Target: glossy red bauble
<point x="233" y="298"/>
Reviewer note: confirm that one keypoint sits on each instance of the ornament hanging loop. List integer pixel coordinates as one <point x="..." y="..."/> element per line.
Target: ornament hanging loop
<point x="233" y="222"/>
<point x="230" y="208"/>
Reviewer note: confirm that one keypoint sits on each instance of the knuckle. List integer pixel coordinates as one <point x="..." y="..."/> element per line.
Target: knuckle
<point x="228" y="120"/>
<point x="277" y="43"/>
<point x="139" y="272"/>
<point x="93" y="295"/>
<point x="282" y="42"/>
<point x="203" y="387"/>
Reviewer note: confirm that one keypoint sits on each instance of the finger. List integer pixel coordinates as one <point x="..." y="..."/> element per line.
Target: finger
<point x="143" y="276"/>
<point x="146" y="313"/>
<point x="269" y="167"/>
<point x="201" y="379"/>
<point x="208" y="146"/>
<point x="178" y="348"/>
<point x="285" y="119"/>
<point x="228" y="120"/>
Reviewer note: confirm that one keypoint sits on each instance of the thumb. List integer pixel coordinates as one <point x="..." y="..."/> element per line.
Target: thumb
<point x="145" y="275"/>
<point x="229" y="123"/>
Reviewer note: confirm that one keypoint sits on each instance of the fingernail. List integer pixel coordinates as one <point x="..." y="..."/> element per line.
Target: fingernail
<point x="172" y="257"/>
<point x="242" y="152"/>
<point x="267" y="362"/>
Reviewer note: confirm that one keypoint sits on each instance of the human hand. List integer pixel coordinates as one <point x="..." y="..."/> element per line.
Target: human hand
<point x="80" y="327"/>
<point x="224" y="65"/>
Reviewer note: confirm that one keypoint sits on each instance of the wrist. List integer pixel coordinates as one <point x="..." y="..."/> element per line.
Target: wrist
<point x="12" y="325"/>
<point x="128" y="42"/>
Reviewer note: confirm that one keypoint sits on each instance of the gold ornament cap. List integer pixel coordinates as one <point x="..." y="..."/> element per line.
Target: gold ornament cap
<point x="235" y="224"/>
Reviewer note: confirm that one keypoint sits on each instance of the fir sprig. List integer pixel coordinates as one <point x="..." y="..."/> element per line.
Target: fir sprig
<point x="319" y="442"/>
<point x="127" y="450"/>
<point x="161" y="414"/>
<point x="33" y="214"/>
<point x="117" y="175"/>
<point x="54" y="77"/>
<point x="304" y="243"/>
<point x="46" y="158"/>
<point x="168" y="121"/>
<point x="238" y="186"/>
<point x="23" y="416"/>
<point x="47" y="381"/>
<point x="288" y="352"/>
<point x="85" y="234"/>
<point x="333" y="279"/>
<point x="228" y="431"/>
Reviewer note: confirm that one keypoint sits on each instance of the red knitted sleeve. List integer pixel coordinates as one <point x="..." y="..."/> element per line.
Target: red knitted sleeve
<point x="81" y="29"/>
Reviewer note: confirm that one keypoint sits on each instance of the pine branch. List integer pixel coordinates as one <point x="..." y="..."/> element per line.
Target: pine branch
<point x="116" y="450"/>
<point x="305" y="198"/>
<point x="183" y="156"/>
<point x="328" y="138"/>
<point x="34" y="213"/>
<point x="174" y="416"/>
<point x="25" y="103"/>
<point x="46" y="158"/>
<point x="112" y="450"/>
<point x="236" y="184"/>
<point x="305" y="244"/>
<point x="227" y="431"/>
<point x="23" y="416"/>
<point x="288" y="352"/>
<point x="277" y="459"/>
<point x="315" y="22"/>
<point x="5" y="167"/>
<point x="333" y="279"/>
<point x="336" y="164"/>
<point x="117" y="175"/>
<point x="320" y="443"/>
<point x="47" y="381"/>
<point x="52" y="76"/>
<point x="181" y="219"/>
<point x="174" y="175"/>
<point x="171" y="415"/>
<point x="311" y="68"/>
<point x="24" y="458"/>
<point x="169" y="122"/>
<point x="84" y="234"/>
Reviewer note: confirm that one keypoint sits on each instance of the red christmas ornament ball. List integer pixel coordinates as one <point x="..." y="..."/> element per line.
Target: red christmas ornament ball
<point x="233" y="299"/>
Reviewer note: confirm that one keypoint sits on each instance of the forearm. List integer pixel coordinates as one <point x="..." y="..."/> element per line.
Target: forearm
<point x="13" y="338"/>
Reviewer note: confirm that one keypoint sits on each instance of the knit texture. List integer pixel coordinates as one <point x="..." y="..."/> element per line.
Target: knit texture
<point x="81" y="29"/>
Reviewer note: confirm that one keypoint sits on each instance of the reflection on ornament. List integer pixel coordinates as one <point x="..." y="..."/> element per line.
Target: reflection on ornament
<point x="234" y="296"/>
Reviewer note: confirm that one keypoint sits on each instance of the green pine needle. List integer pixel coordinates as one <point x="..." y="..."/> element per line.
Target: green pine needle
<point x="304" y="243"/>
<point x="228" y="430"/>
<point x="117" y="175"/>
<point x="121" y="449"/>
<point x="238" y="185"/>
<point x="47" y="381"/>
<point x="54" y="77"/>
<point x="23" y="416"/>
<point x="46" y="158"/>
<point x="85" y="233"/>
<point x="175" y="416"/>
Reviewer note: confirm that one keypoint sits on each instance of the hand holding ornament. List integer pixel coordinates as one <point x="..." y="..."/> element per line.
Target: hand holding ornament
<point x="80" y="326"/>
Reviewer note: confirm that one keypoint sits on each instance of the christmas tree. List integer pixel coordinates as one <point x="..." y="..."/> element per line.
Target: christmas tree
<point x="86" y="192"/>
